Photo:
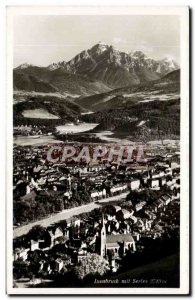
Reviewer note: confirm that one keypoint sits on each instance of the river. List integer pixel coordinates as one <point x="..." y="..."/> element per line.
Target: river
<point x="30" y="141"/>
<point x="72" y="128"/>
<point x="68" y="128"/>
<point x="106" y="136"/>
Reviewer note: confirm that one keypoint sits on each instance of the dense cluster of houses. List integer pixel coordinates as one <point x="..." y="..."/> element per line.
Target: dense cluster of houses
<point x="108" y="235"/>
<point x="100" y="180"/>
<point x="31" y="130"/>
<point x="111" y="235"/>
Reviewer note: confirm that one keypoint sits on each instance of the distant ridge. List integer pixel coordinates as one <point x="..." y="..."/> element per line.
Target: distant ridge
<point x="124" y="97"/>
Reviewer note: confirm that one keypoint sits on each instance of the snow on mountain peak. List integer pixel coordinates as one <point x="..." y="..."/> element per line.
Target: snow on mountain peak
<point x="170" y="63"/>
<point x="24" y="66"/>
<point x="99" y="48"/>
<point x="103" y="47"/>
<point x="56" y="66"/>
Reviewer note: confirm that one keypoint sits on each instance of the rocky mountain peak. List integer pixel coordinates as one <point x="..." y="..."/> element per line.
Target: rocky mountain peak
<point x="114" y="68"/>
<point x="55" y="66"/>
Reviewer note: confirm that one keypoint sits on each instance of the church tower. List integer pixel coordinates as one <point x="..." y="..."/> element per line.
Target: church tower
<point x="103" y="238"/>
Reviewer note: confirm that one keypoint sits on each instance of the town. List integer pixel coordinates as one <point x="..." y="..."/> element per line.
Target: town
<point x="136" y="202"/>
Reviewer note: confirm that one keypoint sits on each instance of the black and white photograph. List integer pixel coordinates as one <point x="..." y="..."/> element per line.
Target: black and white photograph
<point x="98" y="162"/>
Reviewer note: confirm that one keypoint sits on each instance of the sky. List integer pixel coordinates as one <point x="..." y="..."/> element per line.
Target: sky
<point x="42" y="40"/>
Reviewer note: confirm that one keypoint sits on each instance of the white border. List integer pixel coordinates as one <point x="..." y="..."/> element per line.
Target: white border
<point x="183" y="12"/>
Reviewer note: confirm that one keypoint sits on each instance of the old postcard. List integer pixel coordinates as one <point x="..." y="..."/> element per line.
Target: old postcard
<point x="97" y="150"/>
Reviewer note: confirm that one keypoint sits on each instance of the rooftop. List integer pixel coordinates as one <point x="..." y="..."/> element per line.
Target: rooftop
<point x="118" y="238"/>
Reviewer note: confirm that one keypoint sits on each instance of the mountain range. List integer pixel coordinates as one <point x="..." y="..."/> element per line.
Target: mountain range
<point x="131" y="95"/>
<point x="101" y="68"/>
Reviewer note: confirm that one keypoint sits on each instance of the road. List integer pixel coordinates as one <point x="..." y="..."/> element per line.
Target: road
<point x="64" y="215"/>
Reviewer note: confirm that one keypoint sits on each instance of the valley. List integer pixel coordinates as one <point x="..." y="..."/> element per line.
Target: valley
<point x="77" y="93"/>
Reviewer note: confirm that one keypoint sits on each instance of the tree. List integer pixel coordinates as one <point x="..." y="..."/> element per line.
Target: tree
<point x="20" y="269"/>
<point x="133" y="196"/>
<point x="59" y="204"/>
<point x="169" y="178"/>
<point x="63" y="225"/>
<point x="109" y="209"/>
<point x="178" y="181"/>
<point x="23" y="212"/>
<point x="120" y="216"/>
<point x="34" y="257"/>
<point x="92" y="264"/>
<point x="48" y="207"/>
<point x="95" y="214"/>
<point x="40" y="210"/>
<point x="36" y="233"/>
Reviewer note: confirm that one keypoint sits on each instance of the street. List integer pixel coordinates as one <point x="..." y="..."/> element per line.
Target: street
<point x="65" y="214"/>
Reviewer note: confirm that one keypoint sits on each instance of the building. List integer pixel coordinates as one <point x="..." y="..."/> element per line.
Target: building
<point x="118" y="244"/>
<point x="34" y="245"/>
<point x="140" y="205"/>
<point x="54" y="233"/>
<point x="115" y="190"/>
<point x="21" y="253"/>
<point x="135" y="184"/>
<point x="59" y="264"/>
<point x="154" y="182"/>
<point x="166" y="199"/>
<point x="126" y="213"/>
